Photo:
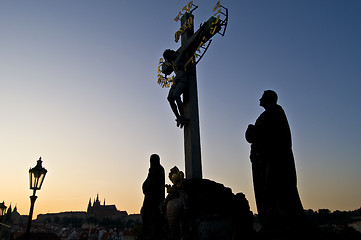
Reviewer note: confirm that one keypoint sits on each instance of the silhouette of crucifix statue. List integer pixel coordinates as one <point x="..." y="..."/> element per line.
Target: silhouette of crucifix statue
<point x="183" y="63"/>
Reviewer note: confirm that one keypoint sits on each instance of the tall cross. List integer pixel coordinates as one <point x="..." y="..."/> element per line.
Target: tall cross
<point x="193" y="47"/>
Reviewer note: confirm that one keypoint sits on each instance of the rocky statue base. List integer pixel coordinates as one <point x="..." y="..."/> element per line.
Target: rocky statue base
<point x="203" y="209"/>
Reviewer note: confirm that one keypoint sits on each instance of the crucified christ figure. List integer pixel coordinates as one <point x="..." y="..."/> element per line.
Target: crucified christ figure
<point x="179" y="83"/>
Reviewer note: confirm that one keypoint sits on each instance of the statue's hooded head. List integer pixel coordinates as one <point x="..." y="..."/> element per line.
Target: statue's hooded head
<point x="269" y="98"/>
<point x="154" y="160"/>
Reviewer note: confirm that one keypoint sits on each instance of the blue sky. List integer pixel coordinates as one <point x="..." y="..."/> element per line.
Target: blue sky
<point x="79" y="88"/>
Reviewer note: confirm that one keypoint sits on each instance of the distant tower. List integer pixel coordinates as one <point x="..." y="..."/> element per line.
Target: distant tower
<point x="89" y="205"/>
<point x="15" y="217"/>
<point x="9" y="210"/>
<point x="8" y="214"/>
<point x="96" y="202"/>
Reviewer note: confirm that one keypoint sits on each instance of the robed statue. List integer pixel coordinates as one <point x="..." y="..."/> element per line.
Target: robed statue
<point x="154" y="194"/>
<point x="273" y="166"/>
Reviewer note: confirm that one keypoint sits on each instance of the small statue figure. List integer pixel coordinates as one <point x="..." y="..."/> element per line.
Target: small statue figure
<point x="180" y="81"/>
<point x="153" y="189"/>
<point x="176" y="177"/>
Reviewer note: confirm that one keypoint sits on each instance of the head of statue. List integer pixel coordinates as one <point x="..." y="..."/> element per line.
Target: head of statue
<point x="154" y="160"/>
<point x="169" y="55"/>
<point x="269" y="98"/>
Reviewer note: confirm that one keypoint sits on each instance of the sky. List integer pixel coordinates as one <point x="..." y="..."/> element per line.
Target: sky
<point x="79" y="88"/>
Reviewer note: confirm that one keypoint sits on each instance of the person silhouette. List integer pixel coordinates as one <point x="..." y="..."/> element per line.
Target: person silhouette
<point x="273" y="168"/>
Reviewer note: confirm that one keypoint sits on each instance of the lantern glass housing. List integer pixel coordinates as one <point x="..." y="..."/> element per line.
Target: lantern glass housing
<point x="37" y="175"/>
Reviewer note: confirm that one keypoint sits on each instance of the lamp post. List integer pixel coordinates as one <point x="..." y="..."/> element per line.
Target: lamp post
<point x="36" y="177"/>
<point x="2" y="211"/>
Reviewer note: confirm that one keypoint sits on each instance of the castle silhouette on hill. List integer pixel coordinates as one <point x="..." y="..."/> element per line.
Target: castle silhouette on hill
<point x="103" y="211"/>
<point x="95" y="210"/>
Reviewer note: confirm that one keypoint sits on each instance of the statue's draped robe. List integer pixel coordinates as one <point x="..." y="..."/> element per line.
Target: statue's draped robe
<point x="154" y="194"/>
<point x="274" y="172"/>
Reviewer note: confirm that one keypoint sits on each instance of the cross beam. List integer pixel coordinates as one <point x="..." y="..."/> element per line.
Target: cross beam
<point x="192" y="41"/>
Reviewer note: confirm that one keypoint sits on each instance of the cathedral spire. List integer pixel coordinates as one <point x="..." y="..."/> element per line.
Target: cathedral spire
<point x="96" y="202"/>
<point x="89" y="204"/>
<point x="9" y="210"/>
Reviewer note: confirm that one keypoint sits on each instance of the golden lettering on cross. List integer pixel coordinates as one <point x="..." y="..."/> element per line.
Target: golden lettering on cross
<point x="218" y="5"/>
<point x="187" y="25"/>
<point x="186" y="8"/>
<point x="213" y="30"/>
<point x="198" y="48"/>
<point x="214" y="24"/>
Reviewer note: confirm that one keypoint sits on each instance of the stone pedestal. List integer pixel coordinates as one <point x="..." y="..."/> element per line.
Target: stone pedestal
<point x="203" y="209"/>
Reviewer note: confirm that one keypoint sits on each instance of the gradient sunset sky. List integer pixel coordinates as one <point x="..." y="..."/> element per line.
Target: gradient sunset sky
<point x="79" y="88"/>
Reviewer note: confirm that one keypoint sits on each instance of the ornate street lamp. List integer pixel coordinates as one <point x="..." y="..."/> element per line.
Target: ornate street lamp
<point x="2" y="210"/>
<point x="36" y="175"/>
